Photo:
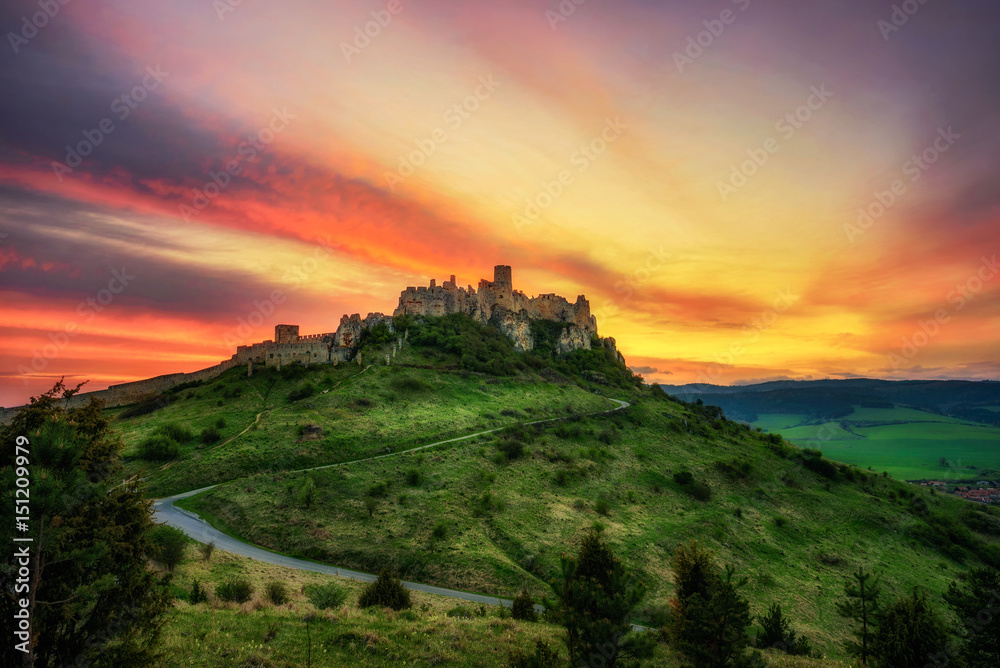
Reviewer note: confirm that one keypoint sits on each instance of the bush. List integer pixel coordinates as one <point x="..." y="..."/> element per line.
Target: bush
<point x="511" y="449"/>
<point x="776" y="632"/>
<point x="909" y="632"/>
<point x="169" y="545"/>
<point x="307" y="495"/>
<point x="326" y="595"/>
<point x="699" y="491"/>
<point x="276" y="592"/>
<point x="683" y="478"/>
<point x="387" y="591"/>
<point x="602" y="507"/>
<point x="543" y="657"/>
<point x="303" y="391"/>
<point x="207" y="549"/>
<point x="523" y="607"/>
<point x="198" y="595"/>
<point x="177" y="432"/>
<point x="220" y="423"/>
<point x="159" y="448"/>
<point x="413" y="477"/>
<point x="235" y="590"/>
<point x="210" y="435"/>
<point x="561" y="477"/>
<point x="440" y="530"/>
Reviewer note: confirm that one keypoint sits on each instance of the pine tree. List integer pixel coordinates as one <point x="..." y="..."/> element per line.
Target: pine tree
<point x="862" y="605"/>
<point x="711" y="619"/>
<point x="909" y="634"/>
<point x="976" y="602"/>
<point x="91" y="597"/>
<point x="596" y="596"/>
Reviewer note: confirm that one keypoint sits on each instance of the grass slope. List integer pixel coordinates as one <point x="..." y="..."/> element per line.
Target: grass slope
<point x="794" y="532"/>
<point x="360" y="414"/>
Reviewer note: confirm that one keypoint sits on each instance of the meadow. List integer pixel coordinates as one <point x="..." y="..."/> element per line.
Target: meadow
<point x="907" y="442"/>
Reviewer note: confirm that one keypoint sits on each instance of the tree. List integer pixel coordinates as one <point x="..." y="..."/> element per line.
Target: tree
<point x="370" y="505"/>
<point x="170" y="544"/>
<point x="386" y="591"/>
<point x="595" y="598"/>
<point x="976" y="602"/>
<point x="307" y="495"/>
<point x="91" y="598"/>
<point x="523" y="608"/>
<point x="776" y="632"/>
<point x="862" y="605"/>
<point x="909" y="634"/>
<point x="711" y="619"/>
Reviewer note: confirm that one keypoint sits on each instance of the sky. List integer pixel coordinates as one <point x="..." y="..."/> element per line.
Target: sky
<point x="745" y="190"/>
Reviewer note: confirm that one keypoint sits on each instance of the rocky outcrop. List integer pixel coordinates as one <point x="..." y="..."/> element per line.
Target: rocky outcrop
<point x="515" y="326"/>
<point x="573" y="338"/>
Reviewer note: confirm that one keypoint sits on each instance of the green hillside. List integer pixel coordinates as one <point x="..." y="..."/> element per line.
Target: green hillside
<point x="512" y="501"/>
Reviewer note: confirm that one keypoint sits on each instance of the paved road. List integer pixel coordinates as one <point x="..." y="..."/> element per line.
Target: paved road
<point x="165" y="512"/>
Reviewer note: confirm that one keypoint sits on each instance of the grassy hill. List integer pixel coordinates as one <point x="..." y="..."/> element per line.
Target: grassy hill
<point x="511" y="502"/>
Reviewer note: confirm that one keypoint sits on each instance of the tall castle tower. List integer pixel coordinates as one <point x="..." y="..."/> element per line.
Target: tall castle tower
<point x="502" y="279"/>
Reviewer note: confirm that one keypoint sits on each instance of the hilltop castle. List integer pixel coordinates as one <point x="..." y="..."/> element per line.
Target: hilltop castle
<point x="495" y="302"/>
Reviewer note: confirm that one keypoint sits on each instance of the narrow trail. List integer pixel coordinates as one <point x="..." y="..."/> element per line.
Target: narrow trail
<point x="198" y="529"/>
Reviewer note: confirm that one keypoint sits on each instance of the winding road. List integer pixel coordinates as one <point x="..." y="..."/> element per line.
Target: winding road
<point x="165" y="512"/>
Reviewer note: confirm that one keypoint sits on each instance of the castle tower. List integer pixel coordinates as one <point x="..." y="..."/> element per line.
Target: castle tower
<point x="501" y="278"/>
<point x="286" y="333"/>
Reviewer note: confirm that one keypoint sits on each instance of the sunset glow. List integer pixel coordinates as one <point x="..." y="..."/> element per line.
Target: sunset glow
<point x="806" y="194"/>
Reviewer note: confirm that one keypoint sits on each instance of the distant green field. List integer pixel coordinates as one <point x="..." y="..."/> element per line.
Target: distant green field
<point x="906" y="442"/>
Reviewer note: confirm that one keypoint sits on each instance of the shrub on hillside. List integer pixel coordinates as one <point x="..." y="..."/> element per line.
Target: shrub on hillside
<point x="413" y="477"/>
<point x="776" y="633"/>
<point x="303" y="391"/>
<point x="159" y="448"/>
<point x="325" y="596"/>
<point x="276" y="592"/>
<point x="177" y="432"/>
<point x="386" y="591"/>
<point x="523" y="607"/>
<point x="511" y="449"/>
<point x="543" y="657"/>
<point x="235" y="590"/>
<point x="198" y="595"/>
<point x="169" y="545"/>
<point x="683" y="478"/>
<point x="210" y="435"/>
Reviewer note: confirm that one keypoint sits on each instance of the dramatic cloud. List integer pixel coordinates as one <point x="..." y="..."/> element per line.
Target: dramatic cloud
<point x="807" y="192"/>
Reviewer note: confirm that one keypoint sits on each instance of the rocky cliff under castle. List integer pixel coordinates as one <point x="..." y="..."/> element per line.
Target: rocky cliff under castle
<point x="495" y="302"/>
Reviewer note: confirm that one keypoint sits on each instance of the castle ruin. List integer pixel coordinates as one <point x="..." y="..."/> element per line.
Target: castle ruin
<point x="495" y="302"/>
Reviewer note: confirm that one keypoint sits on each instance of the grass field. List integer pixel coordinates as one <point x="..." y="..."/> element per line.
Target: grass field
<point x="906" y="442"/>
<point x="435" y="631"/>
<point x="793" y="533"/>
